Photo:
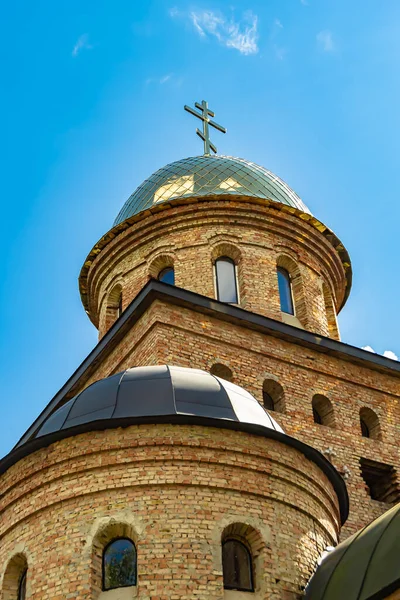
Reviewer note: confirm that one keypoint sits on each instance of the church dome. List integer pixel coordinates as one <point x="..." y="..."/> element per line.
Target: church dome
<point x="169" y="395"/>
<point x="159" y="391"/>
<point x="209" y="176"/>
<point x="363" y="567"/>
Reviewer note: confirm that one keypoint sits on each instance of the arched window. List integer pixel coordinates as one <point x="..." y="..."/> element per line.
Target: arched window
<point x="119" y="564"/>
<point x="222" y="371"/>
<point x="225" y="277"/>
<point x="237" y="566"/>
<point x="14" y="579"/>
<point x="22" y="586"/>
<point x="114" y="305"/>
<point x="285" y="291"/>
<point x="273" y="396"/>
<point x="167" y="276"/>
<point x="369" y="423"/>
<point x="323" y="411"/>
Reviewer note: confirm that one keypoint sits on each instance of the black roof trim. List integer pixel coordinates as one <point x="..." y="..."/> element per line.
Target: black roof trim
<point x="311" y="453"/>
<point x="155" y="289"/>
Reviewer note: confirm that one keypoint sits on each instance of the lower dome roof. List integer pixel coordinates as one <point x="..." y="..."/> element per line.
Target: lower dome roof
<point x="363" y="567"/>
<point x="159" y="391"/>
<point x="167" y="395"/>
<point x="202" y="176"/>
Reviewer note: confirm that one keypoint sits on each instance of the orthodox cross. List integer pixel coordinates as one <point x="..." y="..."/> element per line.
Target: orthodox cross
<point x="204" y="116"/>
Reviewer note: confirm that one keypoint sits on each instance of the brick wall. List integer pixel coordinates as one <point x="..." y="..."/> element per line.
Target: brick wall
<point x="191" y="237"/>
<point x="175" y="489"/>
<point x="187" y="338"/>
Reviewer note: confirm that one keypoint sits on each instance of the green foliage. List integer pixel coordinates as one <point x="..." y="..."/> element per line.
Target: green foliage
<point x="119" y="565"/>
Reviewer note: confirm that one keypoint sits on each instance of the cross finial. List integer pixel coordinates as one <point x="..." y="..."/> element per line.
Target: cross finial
<point x="204" y="116"/>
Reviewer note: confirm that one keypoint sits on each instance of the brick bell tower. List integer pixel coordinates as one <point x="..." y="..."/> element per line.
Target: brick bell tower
<point x="220" y="426"/>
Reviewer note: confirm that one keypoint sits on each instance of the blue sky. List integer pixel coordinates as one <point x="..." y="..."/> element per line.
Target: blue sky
<point x="92" y="103"/>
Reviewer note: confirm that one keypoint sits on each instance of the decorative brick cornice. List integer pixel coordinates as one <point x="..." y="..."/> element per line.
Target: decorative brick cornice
<point x="259" y="213"/>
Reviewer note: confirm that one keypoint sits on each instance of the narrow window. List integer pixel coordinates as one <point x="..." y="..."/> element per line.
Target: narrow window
<point x="237" y="566"/>
<point x="285" y="291"/>
<point x="22" y="587"/>
<point x="268" y="401"/>
<point x="317" y="416"/>
<point x="225" y="275"/>
<point x="119" y="564"/>
<point x="273" y="396"/>
<point x="364" y="428"/>
<point x="323" y="411"/>
<point x="120" y="309"/>
<point x="369" y="423"/>
<point x="167" y="276"/>
<point x="114" y="305"/>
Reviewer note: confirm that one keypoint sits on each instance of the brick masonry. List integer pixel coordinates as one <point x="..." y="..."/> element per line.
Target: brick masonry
<point x="175" y="489"/>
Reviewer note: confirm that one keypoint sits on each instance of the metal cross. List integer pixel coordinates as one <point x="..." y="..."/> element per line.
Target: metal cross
<point x="204" y="116"/>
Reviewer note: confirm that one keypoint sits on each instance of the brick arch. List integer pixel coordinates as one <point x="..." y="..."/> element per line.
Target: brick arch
<point x="371" y="420"/>
<point x="114" y="305"/>
<point x="323" y="410"/>
<point x="275" y="391"/>
<point x="159" y="263"/>
<point x="104" y="535"/>
<point x="300" y="306"/>
<point x="16" y="567"/>
<point x="221" y="370"/>
<point x="226" y="249"/>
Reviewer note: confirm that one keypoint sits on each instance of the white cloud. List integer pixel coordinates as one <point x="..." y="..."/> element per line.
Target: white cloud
<point x="390" y="354"/>
<point x="386" y="354"/>
<point x="165" y="78"/>
<point x="325" y="40"/>
<point x="81" y="44"/>
<point x="160" y="80"/>
<point x="278" y="23"/>
<point x="242" y="35"/>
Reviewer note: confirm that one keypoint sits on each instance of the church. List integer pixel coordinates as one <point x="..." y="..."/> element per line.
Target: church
<point x="220" y="441"/>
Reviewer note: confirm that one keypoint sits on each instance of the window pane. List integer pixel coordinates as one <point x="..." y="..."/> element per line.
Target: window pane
<point x="167" y="276"/>
<point x="364" y="428"/>
<point x="226" y="280"/>
<point x="22" y="588"/>
<point x="236" y="565"/>
<point x="268" y="402"/>
<point x="119" y="564"/>
<point x="285" y="292"/>
<point x="317" y="416"/>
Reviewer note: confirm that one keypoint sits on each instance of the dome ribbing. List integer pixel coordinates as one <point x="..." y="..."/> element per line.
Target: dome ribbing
<point x="159" y="391"/>
<point x="363" y="567"/>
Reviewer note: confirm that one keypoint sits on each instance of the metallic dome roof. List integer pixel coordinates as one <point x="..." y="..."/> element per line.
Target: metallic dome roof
<point x="159" y="391"/>
<point x="207" y="176"/>
<point x="168" y="395"/>
<point x="363" y="567"/>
